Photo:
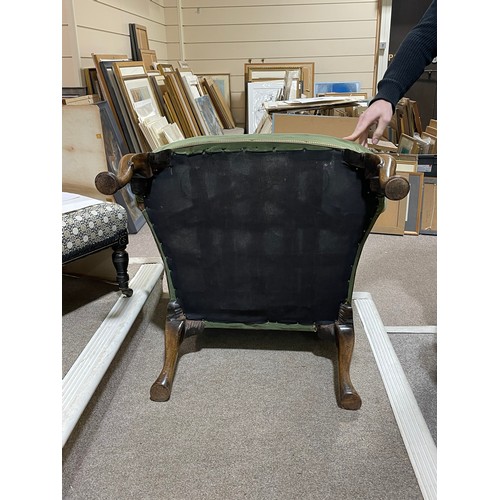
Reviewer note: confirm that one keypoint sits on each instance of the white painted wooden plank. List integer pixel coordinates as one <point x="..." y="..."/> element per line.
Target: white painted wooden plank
<point x="295" y="4"/>
<point x="319" y="31"/>
<point x="84" y="376"/>
<point x="419" y="443"/>
<point x="279" y="13"/>
<point x="144" y="260"/>
<point x="301" y="50"/>
<point x="322" y="65"/>
<point x="411" y="329"/>
<point x="104" y="43"/>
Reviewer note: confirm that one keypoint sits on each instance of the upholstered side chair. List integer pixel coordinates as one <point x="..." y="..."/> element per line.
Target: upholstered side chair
<point x="89" y="226"/>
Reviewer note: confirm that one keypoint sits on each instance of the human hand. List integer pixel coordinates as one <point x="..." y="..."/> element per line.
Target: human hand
<point x="379" y="113"/>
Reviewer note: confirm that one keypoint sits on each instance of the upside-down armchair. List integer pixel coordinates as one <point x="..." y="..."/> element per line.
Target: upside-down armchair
<point x="260" y="231"/>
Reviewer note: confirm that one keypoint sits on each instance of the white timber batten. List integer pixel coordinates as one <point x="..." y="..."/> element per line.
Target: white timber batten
<point x="411" y="329"/>
<point x="87" y="371"/>
<point x="417" y="438"/>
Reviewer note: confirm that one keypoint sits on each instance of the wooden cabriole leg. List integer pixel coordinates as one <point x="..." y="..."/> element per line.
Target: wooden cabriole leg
<point x="349" y="399"/>
<point x="174" y="334"/>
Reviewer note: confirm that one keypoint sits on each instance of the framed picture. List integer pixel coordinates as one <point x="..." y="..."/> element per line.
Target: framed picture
<point x="177" y="100"/>
<point x="158" y="84"/>
<point x="414" y="205"/>
<point x="201" y="110"/>
<point x="257" y="94"/>
<point x="219" y="102"/>
<point x="208" y="114"/>
<point x="432" y="141"/>
<point x="148" y="57"/>
<point x="406" y="163"/>
<point x="138" y="40"/>
<point x="115" y="149"/>
<point x="182" y="66"/>
<point x="172" y="133"/>
<point x="408" y="145"/>
<point x="260" y="72"/>
<point x="223" y="83"/>
<point x="165" y="68"/>
<point x="428" y="221"/>
<point x="133" y="80"/>
<point x="276" y="71"/>
<point x="362" y="95"/>
<point x="342" y="87"/>
<point x="91" y="82"/>
<point x="182" y="95"/>
<point x="98" y="58"/>
<point x="122" y="114"/>
<point x="417" y="121"/>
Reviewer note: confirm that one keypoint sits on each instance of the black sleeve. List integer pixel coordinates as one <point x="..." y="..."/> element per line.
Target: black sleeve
<point x="417" y="50"/>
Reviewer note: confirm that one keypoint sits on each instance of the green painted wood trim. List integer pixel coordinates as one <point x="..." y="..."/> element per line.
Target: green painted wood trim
<point x="259" y="142"/>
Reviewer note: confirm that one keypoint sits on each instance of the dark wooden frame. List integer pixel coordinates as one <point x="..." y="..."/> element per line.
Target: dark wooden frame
<point x="115" y="148"/>
<point x="116" y="101"/>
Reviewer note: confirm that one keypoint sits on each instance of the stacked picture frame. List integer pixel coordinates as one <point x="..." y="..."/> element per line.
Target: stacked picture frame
<point x="217" y="87"/>
<point x="154" y="107"/>
<point x="265" y="81"/>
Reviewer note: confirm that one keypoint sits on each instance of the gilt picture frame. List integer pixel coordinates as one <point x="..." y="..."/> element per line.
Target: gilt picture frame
<point x="139" y="94"/>
<point x="223" y="82"/>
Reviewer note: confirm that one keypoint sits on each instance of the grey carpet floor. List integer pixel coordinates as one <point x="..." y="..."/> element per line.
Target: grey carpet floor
<point x="252" y="417"/>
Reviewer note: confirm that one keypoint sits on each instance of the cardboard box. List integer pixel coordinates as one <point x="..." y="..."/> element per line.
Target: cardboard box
<point x="336" y="126"/>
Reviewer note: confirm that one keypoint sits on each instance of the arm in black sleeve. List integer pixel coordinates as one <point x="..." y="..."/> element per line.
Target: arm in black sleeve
<point x="417" y="50"/>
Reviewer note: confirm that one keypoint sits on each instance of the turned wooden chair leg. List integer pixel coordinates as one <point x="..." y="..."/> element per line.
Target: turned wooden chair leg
<point x="120" y="261"/>
<point x="174" y="334"/>
<point x="349" y="399"/>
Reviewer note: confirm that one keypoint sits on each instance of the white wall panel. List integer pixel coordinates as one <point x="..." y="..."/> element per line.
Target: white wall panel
<point x="281" y="32"/>
<point x="275" y="13"/>
<point x="68" y="73"/>
<point x="273" y="50"/>
<point x="140" y="8"/>
<point x="106" y="43"/>
<point x="105" y="19"/>
<point x="295" y="4"/>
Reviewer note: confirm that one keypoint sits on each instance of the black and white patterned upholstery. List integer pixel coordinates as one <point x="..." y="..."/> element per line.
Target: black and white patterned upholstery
<point x="93" y="228"/>
<point x="90" y="225"/>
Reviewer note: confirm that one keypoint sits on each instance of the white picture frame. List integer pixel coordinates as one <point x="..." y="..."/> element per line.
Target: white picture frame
<point x="142" y="97"/>
<point x="257" y="94"/>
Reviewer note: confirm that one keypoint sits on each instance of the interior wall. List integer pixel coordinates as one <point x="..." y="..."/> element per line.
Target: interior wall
<point x="220" y="36"/>
<point x="102" y="27"/>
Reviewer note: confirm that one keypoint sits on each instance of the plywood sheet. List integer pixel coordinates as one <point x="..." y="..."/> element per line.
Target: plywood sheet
<point x="83" y="153"/>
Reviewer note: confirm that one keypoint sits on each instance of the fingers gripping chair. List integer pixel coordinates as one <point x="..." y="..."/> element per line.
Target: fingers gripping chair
<point x="260" y="230"/>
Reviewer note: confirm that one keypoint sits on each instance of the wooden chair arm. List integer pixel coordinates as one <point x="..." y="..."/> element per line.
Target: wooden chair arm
<point x="109" y="183"/>
<point x="393" y="186"/>
<point x="380" y="170"/>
